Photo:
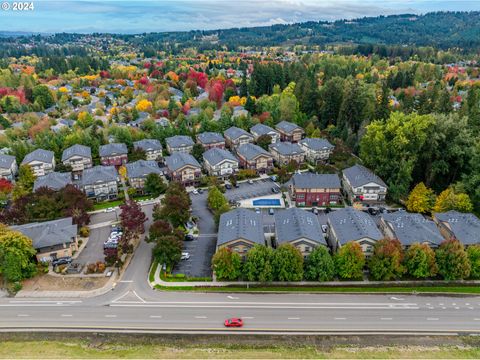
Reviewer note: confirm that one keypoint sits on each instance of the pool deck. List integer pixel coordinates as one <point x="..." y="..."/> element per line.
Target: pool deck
<point x="248" y="203"/>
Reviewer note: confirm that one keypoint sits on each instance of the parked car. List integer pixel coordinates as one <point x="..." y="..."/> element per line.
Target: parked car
<point x="315" y="211"/>
<point x="233" y="322"/>
<point x="228" y="186"/>
<point x="275" y="190"/>
<point x="62" y="261"/>
<point x="185" y="256"/>
<point x="195" y="192"/>
<point x="236" y="186"/>
<point x="109" y="209"/>
<point x="271" y="211"/>
<point x="327" y="210"/>
<point x="189" y="225"/>
<point x="189" y="237"/>
<point x="250" y="181"/>
<point x="324" y="228"/>
<point x="257" y="210"/>
<point x="200" y="191"/>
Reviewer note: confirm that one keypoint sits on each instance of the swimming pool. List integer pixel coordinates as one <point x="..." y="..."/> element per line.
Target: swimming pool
<point x="266" y="202"/>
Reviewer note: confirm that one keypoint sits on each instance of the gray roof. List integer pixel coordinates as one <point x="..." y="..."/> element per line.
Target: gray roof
<point x="141" y="168"/>
<point x="240" y="224"/>
<point x="250" y="151"/>
<point x="45" y="156"/>
<point x="77" y="150"/>
<point x="210" y="137"/>
<point x="465" y="226"/>
<point x="215" y="156"/>
<point x="261" y="129"/>
<point x="148" y="144"/>
<point x="308" y="180"/>
<point x="287" y="127"/>
<point x="113" y="149"/>
<point x="294" y="223"/>
<point x="54" y="181"/>
<point x="359" y="175"/>
<point x="98" y="174"/>
<point x="49" y="233"/>
<point x="179" y="159"/>
<point x="179" y="141"/>
<point x="235" y="132"/>
<point x="316" y="144"/>
<point x="412" y="228"/>
<point x="350" y="225"/>
<point x="286" y="148"/>
<point x="6" y="161"/>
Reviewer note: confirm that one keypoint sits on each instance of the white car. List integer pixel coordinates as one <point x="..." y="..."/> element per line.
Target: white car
<point x="324" y="228"/>
<point x="195" y="192"/>
<point x="250" y="181"/>
<point x="185" y="256"/>
<point x="110" y="209"/>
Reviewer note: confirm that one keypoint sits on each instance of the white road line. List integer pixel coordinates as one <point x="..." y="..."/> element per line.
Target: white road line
<point x="340" y="318"/>
<point x="110" y="316"/>
<point x="239" y="306"/>
<point x="453" y="304"/>
<point x="232" y="297"/>
<point x="293" y="318"/>
<point x="248" y="317"/>
<point x="126" y="281"/>
<point x="441" y="304"/>
<point x="139" y="298"/>
<point x="385" y="318"/>
<point x="431" y="307"/>
<point x="470" y="307"/>
<point x="44" y="301"/>
<point x="477" y="319"/>
<point x="23" y="315"/>
<point x="200" y="317"/>
<point x="432" y="319"/>
<point x="155" y="316"/>
<point x="467" y="304"/>
<point x="457" y="307"/>
<point x="444" y="308"/>
<point x="66" y="315"/>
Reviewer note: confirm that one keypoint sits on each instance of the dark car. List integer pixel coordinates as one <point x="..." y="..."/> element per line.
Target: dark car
<point x="236" y="186"/>
<point x="327" y="210"/>
<point x="275" y="190"/>
<point x="188" y="237"/>
<point x="228" y="186"/>
<point x="200" y="191"/>
<point x="62" y="261"/>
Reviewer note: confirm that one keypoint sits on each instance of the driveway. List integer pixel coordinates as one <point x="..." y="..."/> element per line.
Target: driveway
<point x="93" y="251"/>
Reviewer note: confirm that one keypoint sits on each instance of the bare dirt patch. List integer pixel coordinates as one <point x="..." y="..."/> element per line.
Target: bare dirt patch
<point x="63" y="283"/>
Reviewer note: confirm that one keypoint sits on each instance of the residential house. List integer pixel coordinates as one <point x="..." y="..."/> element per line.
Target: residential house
<point x="152" y="147"/>
<point x="235" y="137"/>
<point x="316" y="150"/>
<point x="361" y="184"/>
<point x="239" y="111"/>
<point x="179" y="143"/>
<point x="299" y="228"/>
<point x="184" y="168"/>
<point x="239" y="230"/>
<point x="138" y="171"/>
<point x="41" y="161"/>
<point x="211" y="140"/>
<point x="220" y="162"/>
<point x="254" y="157"/>
<point x="289" y="131"/>
<point x="78" y="157"/>
<point x="260" y="130"/>
<point x="100" y="183"/>
<point x="54" y="180"/>
<point x="115" y="154"/>
<point x="286" y="152"/>
<point x="52" y="239"/>
<point x="410" y="228"/>
<point x="348" y="224"/>
<point x="8" y="167"/>
<point x="308" y="189"/>
<point x="465" y="227"/>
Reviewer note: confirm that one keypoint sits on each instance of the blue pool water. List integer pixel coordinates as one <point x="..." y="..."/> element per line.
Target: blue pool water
<point x="266" y="202"/>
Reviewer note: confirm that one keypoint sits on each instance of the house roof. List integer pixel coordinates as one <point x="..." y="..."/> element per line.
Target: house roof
<point x="49" y="233"/>
<point x="294" y="223"/>
<point x="142" y="168"/>
<point x="77" y="150"/>
<point x="261" y="129"/>
<point x="179" y="141"/>
<point x="41" y="155"/>
<point x="350" y="225"/>
<point x="179" y="159"/>
<point x="316" y="144"/>
<point x="215" y="156"/>
<point x="359" y="175"/>
<point x="309" y="180"/>
<point x="6" y="161"/>
<point x="148" y="144"/>
<point x="287" y="127"/>
<point x="98" y="174"/>
<point x="251" y="151"/>
<point x="235" y="132"/>
<point x="240" y="224"/>
<point x="113" y="149"/>
<point x="210" y="137"/>
<point x="464" y="226"/>
<point x="286" y="148"/>
<point x="54" y="181"/>
<point x="410" y="228"/>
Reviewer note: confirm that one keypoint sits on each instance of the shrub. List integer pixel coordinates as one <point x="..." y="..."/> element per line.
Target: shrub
<point x="91" y="268"/>
<point x="84" y="231"/>
<point x="100" y="267"/>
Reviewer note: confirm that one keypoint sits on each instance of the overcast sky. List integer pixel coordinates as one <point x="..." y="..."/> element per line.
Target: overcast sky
<point x="171" y="15"/>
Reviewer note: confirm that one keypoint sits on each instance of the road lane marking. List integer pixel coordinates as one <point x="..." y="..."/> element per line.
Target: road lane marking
<point x="340" y="318"/>
<point x="23" y="315"/>
<point x="248" y="317"/>
<point x="239" y="306"/>
<point x="470" y="307"/>
<point x="232" y="297"/>
<point x="477" y="319"/>
<point x="66" y="315"/>
<point x="155" y="316"/>
<point x="110" y="316"/>
<point x="432" y="319"/>
<point x="139" y="298"/>
<point x="457" y="307"/>
<point x="126" y="281"/>
<point x="385" y="318"/>
<point x="293" y="318"/>
<point x="200" y="317"/>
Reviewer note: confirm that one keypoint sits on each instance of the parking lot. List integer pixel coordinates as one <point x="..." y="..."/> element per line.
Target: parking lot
<point x="93" y="251"/>
<point x="248" y="191"/>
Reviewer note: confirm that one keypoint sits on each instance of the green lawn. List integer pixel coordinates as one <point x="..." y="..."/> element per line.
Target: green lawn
<point x="104" y="205"/>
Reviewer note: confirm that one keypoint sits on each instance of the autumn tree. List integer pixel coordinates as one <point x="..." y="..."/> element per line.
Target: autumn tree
<point x="25" y="182"/>
<point x="349" y="261"/>
<point x="287" y="263"/>
<point x="319" y="265"/>
<point x="42" y="96"/>
<point x="132" y="217"/>
<point x="16" y="255"/>
<point x="6" y="188"/>
<point x="154" y="185"/>
<point x="452" y="260"/>
<point x="421" y="199"/>
<point x="215" y="199"/>
<point x="258" y="264"/>
<point x="158" y="229"/>
<point x="420" y="261"/>
<point x="386" y="261"/>
<point x="226" y="264"/>
<point x="450" y="200"/>
<point x="473" y="253"/>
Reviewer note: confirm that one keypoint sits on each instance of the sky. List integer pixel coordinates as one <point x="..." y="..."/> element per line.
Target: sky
<point x="121" y="16"/>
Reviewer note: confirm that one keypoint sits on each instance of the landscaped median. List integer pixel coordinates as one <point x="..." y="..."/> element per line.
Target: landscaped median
<point x="159" y="282"/>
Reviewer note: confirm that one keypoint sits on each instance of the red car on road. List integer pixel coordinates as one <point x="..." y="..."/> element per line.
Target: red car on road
<point x="234" y="322"/>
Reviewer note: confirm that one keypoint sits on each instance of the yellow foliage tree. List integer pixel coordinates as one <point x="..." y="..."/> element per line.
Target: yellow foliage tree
<point x="144" y="105"/>
<point x="421" y="199"/>
<point x="449" y="200"/>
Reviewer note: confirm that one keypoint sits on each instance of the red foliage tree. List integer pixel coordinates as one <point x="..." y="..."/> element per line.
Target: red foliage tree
<point x="215" y="92"/>
<point x="132" y="217"/>
<point x="200" y="78"/>
<point x="104" y="74"/>
<point x="6" y="186"/>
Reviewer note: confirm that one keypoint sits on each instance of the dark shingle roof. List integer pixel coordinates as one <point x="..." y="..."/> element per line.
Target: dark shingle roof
<point x="350" y="225"/>
<point x="250" y="151"/>
<point x="179" y="141"/>
<point x="287" y="127"/>
<point x="45" y="156"/>
<point x="286" y="148"/>
<point x="148" y="144"/>
<point x="180" y="159"/>
<point x="210" y="137"/>
<point x="359" y="175"/>
<point x="240" y="224"/>
<point x="316" y="144"/>
<point x="54" y="181"/>
<point x="261" y="129"/>
<point x="141" y="168"/>
<point x="294" y="223"/>
<point x="77" y="150"/>
<point x="215" y="156"/>
<point x="316" y="181"/>
<point x="6" y="161"/>
<point x="235" y="132"/>
<point x="113" y="149"/>
<point x="99" y="173"/>
<point x="465" y="226"/>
